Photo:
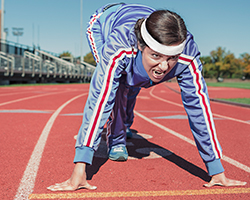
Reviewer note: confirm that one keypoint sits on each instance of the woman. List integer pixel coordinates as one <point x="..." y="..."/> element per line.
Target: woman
<point x="136" y="46"/>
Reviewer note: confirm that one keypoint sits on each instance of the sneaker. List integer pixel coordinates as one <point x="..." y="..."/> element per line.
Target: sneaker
<point x="129" y="133"/>
<point x="119" y="153"/>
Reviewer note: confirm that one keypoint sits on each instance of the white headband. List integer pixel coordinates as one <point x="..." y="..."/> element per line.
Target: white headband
<point x="160" y="48"/>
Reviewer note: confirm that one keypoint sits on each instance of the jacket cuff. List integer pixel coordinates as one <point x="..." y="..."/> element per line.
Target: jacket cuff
<point x="214" y="167"/>
<point x="84" y="154"/>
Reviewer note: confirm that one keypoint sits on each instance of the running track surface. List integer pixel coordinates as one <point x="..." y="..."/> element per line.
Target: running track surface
<point x="39" y="123"/>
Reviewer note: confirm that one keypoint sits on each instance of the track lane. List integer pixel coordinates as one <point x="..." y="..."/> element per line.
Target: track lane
<point x="20" y="132"/>
<point x="181" y="171"/>
<point x="28" y="180"/>
<point x="227" y="128"/>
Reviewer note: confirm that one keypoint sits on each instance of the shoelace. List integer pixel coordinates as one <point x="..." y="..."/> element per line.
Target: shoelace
<point x="118" y="149"/>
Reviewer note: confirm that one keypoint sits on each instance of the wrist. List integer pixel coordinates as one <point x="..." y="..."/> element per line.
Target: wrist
<point x="214" y="167"/>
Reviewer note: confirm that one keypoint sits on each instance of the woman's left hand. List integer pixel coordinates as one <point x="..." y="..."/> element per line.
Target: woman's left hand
<point x="222" y="180"/>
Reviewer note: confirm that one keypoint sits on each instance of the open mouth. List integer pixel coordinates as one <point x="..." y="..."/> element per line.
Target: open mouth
<point x="158" y="74"/>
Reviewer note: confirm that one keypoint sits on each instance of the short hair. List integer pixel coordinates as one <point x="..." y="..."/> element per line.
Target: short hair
<point x="165" y="26"/>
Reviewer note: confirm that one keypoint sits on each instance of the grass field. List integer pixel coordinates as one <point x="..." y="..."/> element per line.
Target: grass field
<point x="242" y="84"/>
<point x="239" y="100"/>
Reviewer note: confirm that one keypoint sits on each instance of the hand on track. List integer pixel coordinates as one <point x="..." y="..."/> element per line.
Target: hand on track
<point x="69" y="186"/>
<point x="222" y="180"/>
<point x="76" y="181"/>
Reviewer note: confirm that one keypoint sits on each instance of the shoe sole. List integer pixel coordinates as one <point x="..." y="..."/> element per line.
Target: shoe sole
<point x="120" y="158"/>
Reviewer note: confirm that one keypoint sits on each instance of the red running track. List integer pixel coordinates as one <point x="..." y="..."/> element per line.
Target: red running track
<point x="38" y="125"/>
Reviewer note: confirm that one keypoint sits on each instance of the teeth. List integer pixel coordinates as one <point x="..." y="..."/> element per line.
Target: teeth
<point x="158" y="73"/>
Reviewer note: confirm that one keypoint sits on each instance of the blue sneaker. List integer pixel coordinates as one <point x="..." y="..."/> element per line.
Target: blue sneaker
<point x="129" y="133"/>
<point x="118" y="153"/>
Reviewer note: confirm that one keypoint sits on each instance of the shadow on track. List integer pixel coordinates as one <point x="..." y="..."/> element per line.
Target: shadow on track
<point x="142" y="148"/>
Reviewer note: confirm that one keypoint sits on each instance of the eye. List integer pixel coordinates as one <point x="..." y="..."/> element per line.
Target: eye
<point x="156" y="56"/>
<point x="174" y="57"/>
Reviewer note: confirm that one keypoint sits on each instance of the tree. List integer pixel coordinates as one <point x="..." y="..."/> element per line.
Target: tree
<point x="208" y="67"/>
<point x="222" y="64"/>
<point x="217" y="57"/>
<point x="65" y="54"/>
<point x="230" y="65"/>
<point x="245" y="60"/>
<point x="89" y="59"/>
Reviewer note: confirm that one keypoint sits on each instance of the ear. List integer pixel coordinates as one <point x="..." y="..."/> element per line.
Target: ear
<point x="139" y="46"/>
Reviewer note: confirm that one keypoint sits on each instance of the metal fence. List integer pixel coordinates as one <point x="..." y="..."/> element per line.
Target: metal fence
<point x="23" y="64"/>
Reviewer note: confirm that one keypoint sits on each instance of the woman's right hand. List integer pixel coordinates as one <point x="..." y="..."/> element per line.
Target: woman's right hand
<point x="76" y="181"/>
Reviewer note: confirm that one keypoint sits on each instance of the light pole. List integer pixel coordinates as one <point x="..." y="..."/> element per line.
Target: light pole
<point x="81" y="56"/>
<point x="17" y="32"/>
<point x="2" y="21"/>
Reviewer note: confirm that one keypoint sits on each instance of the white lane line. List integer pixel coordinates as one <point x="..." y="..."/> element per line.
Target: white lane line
<point x="27" y="98"/>
<point x="14" y="93"/>
<point x="180" y="105"/>
<point x="166" y="129"/>
<point x="28" y="180"/>
<point x="233" y="119"/>
<point x="225" y="158"/>
<point x="236" y="163"/>
<point x="25" y="111"/>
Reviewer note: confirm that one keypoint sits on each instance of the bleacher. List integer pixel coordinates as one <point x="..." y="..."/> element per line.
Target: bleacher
<point x="20" y="64"/>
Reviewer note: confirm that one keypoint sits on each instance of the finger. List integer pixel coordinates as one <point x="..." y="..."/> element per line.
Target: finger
<point x="61" y="188"/>
<point x="69" y="187"/>
<point x="63" y="183"/>
<point x="228" y="183"/>
<point x="66" y="186"/>
<point x="235" y="183"/>
<point x="88" y="186"/>
<point x="212" y="183"/>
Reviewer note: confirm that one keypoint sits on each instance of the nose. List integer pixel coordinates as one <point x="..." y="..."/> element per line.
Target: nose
<point x="163" y="65"/>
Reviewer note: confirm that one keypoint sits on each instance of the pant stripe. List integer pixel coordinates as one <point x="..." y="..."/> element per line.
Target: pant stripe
<point x="104" y="95"/>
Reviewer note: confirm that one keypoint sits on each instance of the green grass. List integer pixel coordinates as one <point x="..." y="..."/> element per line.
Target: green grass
<point x="244" y="85"/>
<point x="239" y="100"/>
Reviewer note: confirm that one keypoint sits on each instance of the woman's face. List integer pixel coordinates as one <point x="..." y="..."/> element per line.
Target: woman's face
<point x="157" y="65"/>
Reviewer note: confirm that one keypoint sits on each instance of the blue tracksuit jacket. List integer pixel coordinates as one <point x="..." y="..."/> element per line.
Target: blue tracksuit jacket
<point x="119" y="75"/>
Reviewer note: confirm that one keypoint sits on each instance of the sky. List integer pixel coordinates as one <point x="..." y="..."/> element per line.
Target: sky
<point x="55" y="25"/>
